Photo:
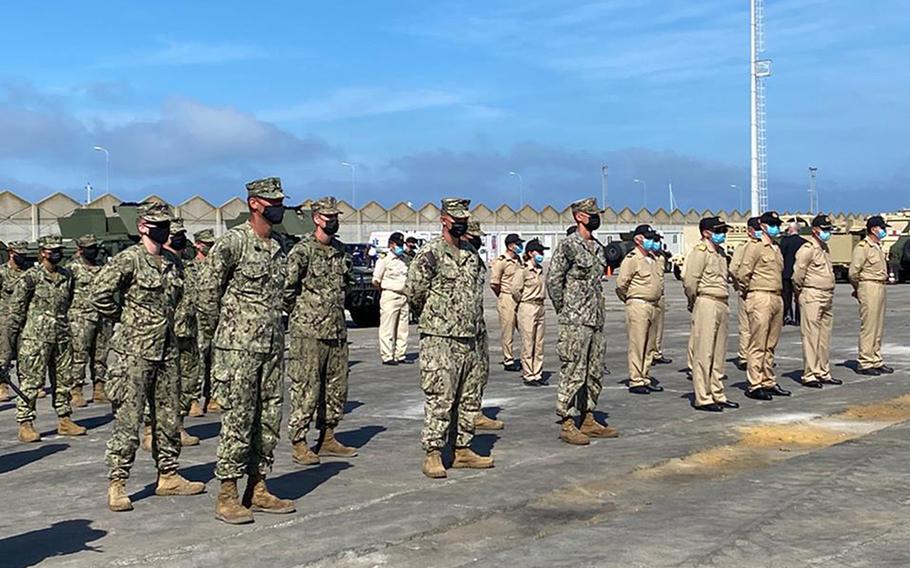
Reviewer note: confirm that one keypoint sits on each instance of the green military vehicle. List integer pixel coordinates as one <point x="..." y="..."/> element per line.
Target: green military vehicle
<point x="899" y="258"/>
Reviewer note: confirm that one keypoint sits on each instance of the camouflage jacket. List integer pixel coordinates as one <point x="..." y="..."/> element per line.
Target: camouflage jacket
<point x="443" y="289"/>
<point x="574" y="281"/>
<point x="185" y="311"/>
<point x="150" y="288"/>
<point x="318" y="277"/>
<point x="37" y="308"/>
<point x="83" y="276"/>
<point x="481" y="283"/>
<point x="241" y="291"/>
<point x="8" y="278"/>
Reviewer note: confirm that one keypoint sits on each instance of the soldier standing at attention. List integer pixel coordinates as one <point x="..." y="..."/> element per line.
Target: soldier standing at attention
<point x="319" y="274"/>
<point x="442" y="289"/>
<point x="10" y="273"/>
<point x="868" y="275"/>
<point x="759" y="276"/>
<point x="529" y="292"/>
<point x="742" y="317"/>
<point x="242" y="296"/>
<point x="575" y="286"/>
<point x="639" y="286"/>
<point x="657" y="353"/>
<point x="813" y="282"/>
<point x="705" y="285"/>
<point x="144" y="288"/>
<point x="389" y="276"/>
<point x="204" y="240"/>
<point x="503" y="271"/>
<point x="37" y="324"/>
<point x="91" y="333"/>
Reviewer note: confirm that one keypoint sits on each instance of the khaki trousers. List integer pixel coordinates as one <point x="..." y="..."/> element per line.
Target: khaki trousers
<point x="531" y="328"/>
<point x="709" y="347"/>
<point x="508" y="316"/>
<point x="816" y="322"/>
<point x="658" y="349"/>
<point x="393" y="325"/>
<point x="641" y="320"/>
<point x="871" y="296"/>
<point x="766" y="319"/>
<point x="742" y="318"/>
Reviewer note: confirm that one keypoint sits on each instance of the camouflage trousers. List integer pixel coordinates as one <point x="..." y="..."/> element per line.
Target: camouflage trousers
<point x="190" y="372"/>
<point x="131" y="383"/>
<point x="478" y="376"/>
<point x="249" y="388"/>
<point x="580" y="349"/>
<point x="90" y="347"/>
<point x="318" y="372"/>
<point x="453" y="380"/>
<point x="204" y="382"/>
<point x="38" y="360"/>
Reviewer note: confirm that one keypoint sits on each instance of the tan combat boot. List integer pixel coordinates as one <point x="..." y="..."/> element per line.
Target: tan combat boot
<point x="98" y="394"/>
<point x="27" y="432"/>
<point x="4" y="393"/>
<point x="571" y="435"/>
<point x="228" y="508"/>
<point x="187" y="439"/>
<point x="41" y="392"/>
<point x="213" y="407"/>
<point x="117" y="499"/>
<point x="465" y="458"/>
<point x="77" y="400"/>
<point x="257" y="498"/>
<point x="593" y="429"/>
<point x="146" y="443"/>
<point x="432" y="465"/>
<point x="195" y="410"/>
<point x="66" y="427"/>
<point x="482" y="422"/>
<point x="172" y="483"/>
<point x="303" y="454"/>
<point x="332" y="447"/>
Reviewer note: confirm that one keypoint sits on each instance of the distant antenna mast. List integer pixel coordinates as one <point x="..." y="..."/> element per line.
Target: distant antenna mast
<point x="88" y="193"/>
<point x="813" y="191"/>
<point x="758" y="70"/>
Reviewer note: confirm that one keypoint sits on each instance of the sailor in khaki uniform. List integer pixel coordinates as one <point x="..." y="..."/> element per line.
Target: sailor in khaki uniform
<point x="389" y="276"/>
<point x="529" y="291"/>
<point x="813" y="282"/>
<point x="706" y="288"/>
<point x="639" y="286"/>
<point x="759" y="275"/>
<point x="657" y="353"/>
<point x="868" y="275"/>
<point x="742" y="318"/>
<point x="501" y="275"/>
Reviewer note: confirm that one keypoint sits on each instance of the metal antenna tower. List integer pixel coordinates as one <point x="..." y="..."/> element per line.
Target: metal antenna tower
<point x="813" y="192"/>
<point x="759" y="69"/>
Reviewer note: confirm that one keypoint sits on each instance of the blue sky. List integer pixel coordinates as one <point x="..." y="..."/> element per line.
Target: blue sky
<point x="445" y="98"/>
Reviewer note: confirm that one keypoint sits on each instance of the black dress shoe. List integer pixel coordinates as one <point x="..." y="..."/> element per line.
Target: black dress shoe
<point x="813" y="384"/>
<point x="832" y="381"/>
<point x="740" y="364"/>
<point x="640" y="390"/>
<point x="729" y="404"/>
<point x="662" y="360"/>
<point x="405" y="362"/>
<point x="713" y="407"/>
<point x="390" y="363"/>
<point x="533" y="383"/>
<point x="869" y="372"/>
<point x="759" y="394"/>
<point x="884" y="369"/>
<point x="511" y="367"/>
<point x="655" y="388"/>
<point x="778" y="390"/>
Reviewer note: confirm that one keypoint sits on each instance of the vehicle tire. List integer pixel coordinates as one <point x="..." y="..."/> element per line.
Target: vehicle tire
<point x="614" y="253"/>
<point x="365" y="316"/>
<point x="841" y="274"/>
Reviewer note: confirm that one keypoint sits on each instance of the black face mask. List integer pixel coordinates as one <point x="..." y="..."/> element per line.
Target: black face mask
<point x="458" y="229"/>
<point x="331" y="226"/>
<point x="274" y="214"/>
<point x="55" y="256"/>
<point x="178" y="241"/>
<point x="476" y="242"/>
<point x="159" y="233"/>
<point x="21" y="262"/>
<point x="593" y="222"/>
<point x="90" y="254"/>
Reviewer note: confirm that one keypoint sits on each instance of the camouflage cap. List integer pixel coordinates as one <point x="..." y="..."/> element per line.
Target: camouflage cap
<point x="87" y="240"/>
<point x="267" y="188"/>
<point x="456" y="207"/>
<point x="18" y="247"/>
<point x="177" y="225"/>
<point x="205" y="236"/>
<point x="50" y="242"/>
<point x="154" y="212"/>
<point x="586" y="205"/>
<point x="327" y="205"/>
<point x="474" y="229"/>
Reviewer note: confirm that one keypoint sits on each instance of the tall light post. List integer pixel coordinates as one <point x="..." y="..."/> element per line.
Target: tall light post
<point x="644" y="189"/>
<point x="354" y="198"/>
<point x="733" y="187"/>
<point x="107" y="168"/>
<point x="521" y="190"/>
<point x="813" y="191"/>
<point x="603" y="186"/>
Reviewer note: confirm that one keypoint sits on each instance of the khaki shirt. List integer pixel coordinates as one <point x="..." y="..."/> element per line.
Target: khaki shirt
<point x="706" y="273"/>
<point x="813" y="268"/>
<point x="869" y="264"/>
<point x="528" y="284"/>
<point x="503" y="272"/>
<point x="390" y="273"/>
<point x="761" y="269"/>
<point x="640" y="278"/>
<point x="738" y="253"/>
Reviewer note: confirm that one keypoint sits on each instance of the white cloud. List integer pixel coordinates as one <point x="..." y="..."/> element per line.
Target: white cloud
<point x="176" y="53"/>
<point x="356" y="102"/>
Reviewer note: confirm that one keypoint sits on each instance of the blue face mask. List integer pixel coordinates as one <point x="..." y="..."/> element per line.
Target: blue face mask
<point x="758" y="234"/>
<point x="399" y="250"/>
<point x="882" y="233"/>
<point x="647" y="244"/>
<point x="538" y="258"/>
<point x="773" y="231"/>
<point x="656" y="246"/>
<point x="519" y="249"/>
<point x="825" y="236"/>
<point x="718" y="238"/>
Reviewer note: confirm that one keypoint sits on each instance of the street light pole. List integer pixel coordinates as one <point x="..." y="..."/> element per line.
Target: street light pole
<point x="603" y="186"/>
<point x="813" y="191"/>
<point x="521" y="190"/>
<point x="354" y="199"/>
<point x="733" y="187"/>
<point x="644" y="187"/>
<point x="107" y="167"/>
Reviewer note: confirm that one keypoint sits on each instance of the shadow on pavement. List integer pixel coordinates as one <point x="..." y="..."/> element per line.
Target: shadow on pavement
<point x="491" y="411"/>
<point x="483" y="443"/>
<point x="96" y="421"/>
<point x="205" y="431"/>
<point x="352" y="405"/>
<point x="360" y="437"/>
<point x="851" y="364"/>
<point x="11" y="462"/>
<point x="59" y="539"/>
<point x="7" y="406"/>
<point x="296" y="484"/>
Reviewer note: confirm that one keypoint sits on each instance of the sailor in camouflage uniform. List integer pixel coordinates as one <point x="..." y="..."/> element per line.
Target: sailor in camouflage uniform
<point x="241" y="295"/>
<point x="37" y="324"/>
<point x="443" y="289"/>
<point x="204" y="240"/>
<point x="91" y="333"/>
<point x="319" y="274"/>
<point x="10" y="273"/>
<point x="143" y="287"/>
<point x="575" y="286"/>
